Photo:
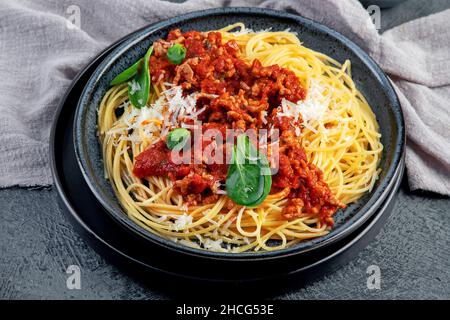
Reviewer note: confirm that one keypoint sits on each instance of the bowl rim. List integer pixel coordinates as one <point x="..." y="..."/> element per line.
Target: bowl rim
<point x="105" y="245"/>
<point x="364" y="212"/>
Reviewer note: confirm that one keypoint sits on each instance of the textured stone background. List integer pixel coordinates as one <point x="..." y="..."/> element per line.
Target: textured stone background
<point x="37" y="243"/>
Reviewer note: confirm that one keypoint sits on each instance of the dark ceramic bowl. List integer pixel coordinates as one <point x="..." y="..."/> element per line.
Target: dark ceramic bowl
<point x="368" y="77"/>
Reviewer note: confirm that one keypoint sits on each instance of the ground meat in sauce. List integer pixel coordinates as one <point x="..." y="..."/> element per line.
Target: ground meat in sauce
<point x="245" y="93"/>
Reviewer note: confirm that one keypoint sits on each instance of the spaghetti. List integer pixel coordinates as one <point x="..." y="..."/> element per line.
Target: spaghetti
<point x="320" y="109"/>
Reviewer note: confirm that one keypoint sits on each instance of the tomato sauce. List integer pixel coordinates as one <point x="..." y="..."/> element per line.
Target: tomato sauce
<point x="156" y="161"/>
<point x="243" y="94"/>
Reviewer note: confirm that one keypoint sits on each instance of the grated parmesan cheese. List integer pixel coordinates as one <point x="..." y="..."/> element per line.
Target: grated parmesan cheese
<point x="199" y="238"/>
<point x="216" y="188"/>
<point x="134" y="86"/>
<point x="215" y="245"/>
<point x="182" y="221"/>
<point x="311" y="110"/>
<point x="167" y="112"/>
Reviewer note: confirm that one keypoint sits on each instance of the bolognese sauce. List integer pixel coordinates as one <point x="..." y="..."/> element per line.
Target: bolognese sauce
<point x="235" y="94"/>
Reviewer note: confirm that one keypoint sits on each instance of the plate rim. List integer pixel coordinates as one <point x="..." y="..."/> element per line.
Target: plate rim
<point x="69" y="209"/>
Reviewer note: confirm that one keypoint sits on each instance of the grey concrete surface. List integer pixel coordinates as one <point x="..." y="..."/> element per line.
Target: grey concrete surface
<point x="37" y="243"/>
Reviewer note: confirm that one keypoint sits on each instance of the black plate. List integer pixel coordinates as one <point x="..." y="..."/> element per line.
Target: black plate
<point x="368" y="77"/>
<point x="165" y="268"/>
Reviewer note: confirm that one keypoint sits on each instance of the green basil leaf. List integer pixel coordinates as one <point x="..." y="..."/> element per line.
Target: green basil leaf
<point x="126" y="74"/>
<point x="139" y="86"/>
<point x="177" y="138"/>
<point x="247" y="180"/>
<point x="176" y="53"/>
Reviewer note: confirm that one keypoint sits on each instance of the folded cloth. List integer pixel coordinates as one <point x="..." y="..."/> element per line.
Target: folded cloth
<point x="41" y="52"/>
